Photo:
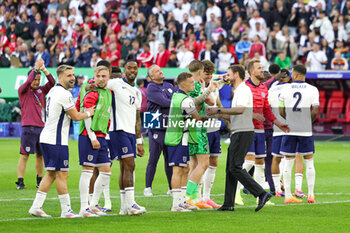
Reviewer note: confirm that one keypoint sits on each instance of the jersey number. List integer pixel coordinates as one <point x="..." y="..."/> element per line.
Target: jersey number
<point x="47" y="107"/>
<point x="132" y="99"/>
<point x="297" y="95"/>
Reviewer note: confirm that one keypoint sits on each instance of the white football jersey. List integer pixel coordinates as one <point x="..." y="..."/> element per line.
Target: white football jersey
<point x="298" y="98"/>
<point x="274" y="93"/>
<point x="127" y="99"/>
<point x="56" y="129"/>
<point x="215" y="94"/>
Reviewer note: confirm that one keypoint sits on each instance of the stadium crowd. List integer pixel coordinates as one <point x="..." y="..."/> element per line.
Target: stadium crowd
<point x="172" y="33"/>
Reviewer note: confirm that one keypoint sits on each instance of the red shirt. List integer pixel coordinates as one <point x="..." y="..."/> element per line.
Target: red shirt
<point x="194" y="47"/>
<point x="259" y="47"/>
<point x="146" y="59"/>
<point x="116" y="61"/>
<point x="90" y="100"/>
<point x="260" y="103"/>
<point x="30" y="106"/>
<point x="163" y="58"/>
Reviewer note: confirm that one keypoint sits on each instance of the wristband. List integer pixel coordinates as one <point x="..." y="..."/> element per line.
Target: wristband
<point x="139" y="141"/>
<point x="88" y="113"/>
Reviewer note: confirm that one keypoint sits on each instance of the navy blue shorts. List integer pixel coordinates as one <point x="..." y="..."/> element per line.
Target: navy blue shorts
<point x="30" y="140"/>
<point x="178" y="155"/>
<point x="111" y="154"/>
<point x="258" y="147"/>
<point x="55" y="157"/>
<point x="93" y="157"/>
<point x="276" y="146"/>
<point x="292" y="145"/>
<point x="123" y="144"/>
<point x="214" y="143"/>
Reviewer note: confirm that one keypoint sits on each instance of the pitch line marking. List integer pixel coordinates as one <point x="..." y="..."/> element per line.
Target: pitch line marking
<point x="142" y="196"/>
<point x="168" y="211"/>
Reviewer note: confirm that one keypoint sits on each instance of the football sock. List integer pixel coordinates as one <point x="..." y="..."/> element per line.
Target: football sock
<point x="177" y="197"/>
<point x="39" y="200"/>
<point x="106" y="193"/>
<point x="129" y="197"/>
<point x="247" y="165"/>
<point x="122" y="199"/>
<point x="90" y="197"/>
<point x="65" y="202"/>
<point x="38" y="179"/>
<point x="259" y="174"/>
<point x="287" y="176"/>
<point x="310" y="175"/>
<point x="191" y="189"/>
<point x="282" y="166"/>
<point x="20" y="180"/>
<point x="100" y="184"/>
<point x="298" y="181"/>
<point x="209" y="177"/>
<point x="200" y="184"/>
<point x="276" y="181"/>
<point x="183" y="192"/>
<point x="84" y="183"/>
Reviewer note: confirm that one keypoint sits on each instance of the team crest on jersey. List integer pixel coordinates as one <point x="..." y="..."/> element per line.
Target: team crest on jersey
<point x="40" y="91"/>
<point x="155" y="136"/>
<point x="28" y="148"/>
<point x="125" y="150"/>
<point x="184" y="158"/>
<point x="171" y="91"/>
<point x="263" y="94"/>
<point x="90" y="157"/>
<point x="65" y="163"/>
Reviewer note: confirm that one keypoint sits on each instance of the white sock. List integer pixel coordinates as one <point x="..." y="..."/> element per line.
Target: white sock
<point x="65" y="202"/>
<point x="276" y="181"/>
<point x="84" y="183"/>
<point x="122" y="199"/>
<point x="247" y="165"/>
<point x="310" y="175"/>
<point x="90" y="197"/>
<point x="209" y="177"/>
<point x="107" y="195"/>
<point x="100" y="184"/>
<point x="129" y="197"/>
<point x="177" y="197"/>
<point x="259" y="174"/>
<point x="298" y="181"/>
<point x="183" y="193"/>
<point x="282" y="167"/>
<point x="39" y="200"/>
<point x="287" y="176"/>
<point x="200" y="184"/>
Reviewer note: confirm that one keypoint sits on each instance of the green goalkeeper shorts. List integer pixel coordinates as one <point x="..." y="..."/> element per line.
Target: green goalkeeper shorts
<point x="202" y="147"/>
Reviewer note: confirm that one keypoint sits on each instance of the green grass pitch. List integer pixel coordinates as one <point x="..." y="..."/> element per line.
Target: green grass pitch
<point x="330" y="214"/>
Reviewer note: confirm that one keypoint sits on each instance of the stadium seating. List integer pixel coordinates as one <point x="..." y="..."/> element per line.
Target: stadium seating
<point x="345" y="118"/>
<point x="335" y="107"/>
<point x="322" y="107"/>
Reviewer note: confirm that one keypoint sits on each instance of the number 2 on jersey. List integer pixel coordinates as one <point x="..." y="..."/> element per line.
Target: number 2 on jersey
<point x="297" y="95"/>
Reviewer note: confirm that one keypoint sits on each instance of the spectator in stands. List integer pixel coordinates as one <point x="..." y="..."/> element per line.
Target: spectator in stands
<point x="184" y="56"/>
<point x="225" y="60"/>
<point x="235" y="35"/>
<point x="284" y="34"/>
<point x="163" y="56"/>
<point x="245" y="59"/>
<point x="4" y="41"/>
<point x="84" y="57"/>
<point x="325" y="25"/>
<point x="38" y="25"/>
<point x="256" y="30"/>
<point x="339" y="63"/>
<point x="228" y="20"/>
<point x="243" y="45"/>
<point x="199" y="7"/>
<point x="114" y="56"/>
<point x="281" y="13"/>
<point x="292" y="22"/>
<point x="210" y="25"/>
<point x="171" y="34"/>
<point x="267" y="14"/>
<point x="195" y="19"/>
<point x="173" y="61"/>
<point x="185" y="26"/>
<point x="218" y="31"/>
<point x="167" y="6"/>
<point x="328" y="51"/>
<point x="153" y="44"/>
<point x="41" y="53"/>
<point x="340" y="47"/>
<point x="257" y="46"/>
<point x="316" y="59"/>
<point x="262" y="60"/>
<point x="134" y="52"/>
<point x="213" y="9"/>
<point x="141" y="36"/>
<point x="22" y="28"/>
<point x="208" y="53"/>
<point x="145" y="8"/>
<point x="146" y="58"/>
<point x="126" y="47"/>
<point x="274" y="46"/>
<point x="283" y="61"/>
<point x="291" y="50"/>
<point x="192" y="45"/>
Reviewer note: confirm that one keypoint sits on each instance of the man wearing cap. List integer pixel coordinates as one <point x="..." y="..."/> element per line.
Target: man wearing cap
<point x="3" y="39"/>
<point x="32" y="100"/>
<point x="115" y="25"/>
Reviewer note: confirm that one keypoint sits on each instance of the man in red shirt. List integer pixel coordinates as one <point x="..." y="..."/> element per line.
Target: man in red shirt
<point x="32" y="100"/>
<point x="114" y="55"/>
<point x="145" y="59"/>
<point x="261" y="109"/>
<point x="162" y="56"/>
<point x="93" y="148"/>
